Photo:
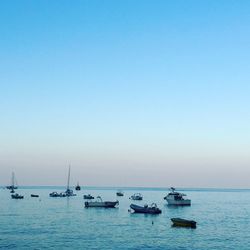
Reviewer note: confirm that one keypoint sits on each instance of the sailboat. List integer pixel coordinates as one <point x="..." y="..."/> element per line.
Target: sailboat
<point x="69" y="192"/>
<point x="12" y="187"/>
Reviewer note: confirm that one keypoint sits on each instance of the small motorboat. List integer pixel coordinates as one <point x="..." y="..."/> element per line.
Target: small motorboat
<point x="34" y="195"/>
<point x="119" y="193"/>
<point x="78" y="187"/>
<point x="17" y="196"/>
<point x="153" y="209"/>
<point x="100" y="203"/>
<point x="136" y="197"/>
<point x="88" y="197"/>
<point x="178" y="222"/>
<point x="55" y="194"/>
<point x="176" y="198"/>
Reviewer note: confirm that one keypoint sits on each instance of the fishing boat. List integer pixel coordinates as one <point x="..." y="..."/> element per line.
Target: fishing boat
<point x="178" y="222"/>
<point x="136" y="197"/>
<point x="176" y="198"/>
<point x="153" y="209"/>
<point x="99" y="203"/>
<point x="17" y="196"/>
<point x="12" y="187"/>
<point x="88" y="197"/>
<point x="34" y="195"/>
<point x="119" y="193"/>
<point x="78" y="187"/>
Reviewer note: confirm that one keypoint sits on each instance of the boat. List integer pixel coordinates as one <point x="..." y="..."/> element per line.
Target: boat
<point x="55" y="194"/>
<point x="119" y="193"/>
<point x="88" y="197"/>
<point x="178" y="222"/>
<point x="176" y="198"/>
<point x="69" y="192"/>
<point x="34" y="195"/>
<point x="136" y="197"/>
<point x="12" y="187"/>
<point x="78" y="187"/>
<point x="153" y="209"/>
<point x="17" y="196"/>
<point x="99" y="203"/>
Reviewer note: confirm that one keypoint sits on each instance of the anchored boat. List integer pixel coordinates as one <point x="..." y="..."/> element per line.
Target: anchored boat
<point x="178" y="222"/>
<point x="100" y="203"/>
<point x="12" y="187"/>
<point x="88" y="197"/>
<point x="17" y="196"/>
<point x="136" y="196"/>
<point x="119" y="193"/>
<point x="176" y="198"/>
<point x="153" y="209"/>
<point x="78" y="187"/>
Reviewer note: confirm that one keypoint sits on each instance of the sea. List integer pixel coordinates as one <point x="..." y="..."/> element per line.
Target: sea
<point x="222" y="216"/>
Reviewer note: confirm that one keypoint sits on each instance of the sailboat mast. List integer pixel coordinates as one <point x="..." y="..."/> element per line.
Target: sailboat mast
<point x="68" y="178"/>
<point x="13" y="179"/>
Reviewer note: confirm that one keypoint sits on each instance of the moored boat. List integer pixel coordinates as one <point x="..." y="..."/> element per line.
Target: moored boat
<point x="55" y="194"/>
<point x="176" y="198"/>
<point x="88" y="197"/>
<point x="34" y="195"/>
<point x="17" y="196"/>
<point x="136" y="196"/>
<point x="153" y="209"/>
<point x="119" y="193"/>
<point x="100" y="203"/>
<point x="178" y="222"/>
<point x="12" y="187"/>
<point x="78" y="187"/>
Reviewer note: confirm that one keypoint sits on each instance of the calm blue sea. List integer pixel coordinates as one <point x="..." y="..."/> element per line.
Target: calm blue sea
<point x="223" y="218"/>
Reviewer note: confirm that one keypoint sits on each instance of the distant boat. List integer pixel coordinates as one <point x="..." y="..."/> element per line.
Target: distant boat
<point x="88" y="197"/>
<point x="55" y="194"/>
<point x="69" y="192"/>
<point x="78" y="187"/>
<point x="119" y="193"/>
<point x="34" y="195"/>
<point x="178" y="222"/>
<point x="136" y="196"/>
<point x="100" y="203"/>
<point x="17" y="196"/>
<point x="176" y="198"/>
<point x="12" y="187"/>
<point x="153" y="209"/>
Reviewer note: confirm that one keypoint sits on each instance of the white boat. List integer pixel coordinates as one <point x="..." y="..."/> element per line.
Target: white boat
<point x="176" y="198"/>
<point x="136" y="197"/>
<point x="99" y="203"/>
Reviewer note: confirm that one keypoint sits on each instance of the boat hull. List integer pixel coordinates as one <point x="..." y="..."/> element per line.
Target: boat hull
<point x="105" y="204"/>
<point x="17" y="197"/>
<point x="179" y="202"/>
<point x="145" y="210"/>
<point x="178" y="222"/>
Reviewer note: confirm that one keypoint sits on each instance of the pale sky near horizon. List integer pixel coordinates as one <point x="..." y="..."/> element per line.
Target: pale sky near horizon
<point x="130" y="93"/>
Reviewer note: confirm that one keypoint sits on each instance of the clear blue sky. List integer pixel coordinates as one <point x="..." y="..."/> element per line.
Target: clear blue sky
<point x="131" y="93"/>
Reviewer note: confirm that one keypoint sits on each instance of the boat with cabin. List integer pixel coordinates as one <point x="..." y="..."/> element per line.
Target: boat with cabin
<point x="34" y="195"/>
<point x="56" y="194"/>
<point x="153" y="209"/>
<point x="100" y="203"/>
<point x="176" y="198"/>
<point x="78" y="187"/>
<point x="178" y="222"/>
<point x="136" y="197"/>
<point x="88" y="197"/>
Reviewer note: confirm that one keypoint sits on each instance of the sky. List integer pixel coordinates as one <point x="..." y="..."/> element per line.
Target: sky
<point x="130" y="93"/>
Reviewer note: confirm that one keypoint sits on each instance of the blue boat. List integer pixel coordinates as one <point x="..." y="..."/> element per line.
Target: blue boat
<point x="153" y="209"/>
